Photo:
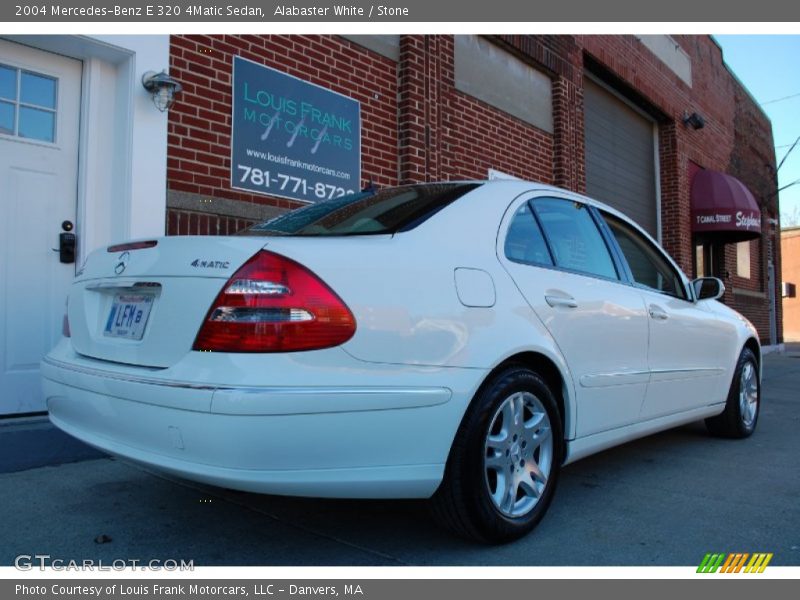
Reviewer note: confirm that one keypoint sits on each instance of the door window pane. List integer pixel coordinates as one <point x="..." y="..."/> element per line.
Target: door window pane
<point x="743" y="260"/>
<point x="648" y="266"/>
<point x="699" y="260"/>
<point x="38" y="90"/>
<point x="8" y="83"/>
<point x="7" y="118"/>
<point x="524" y="240"/>
<point x="574" y="239"/>
<point x="28" y="110"/>
<point x="36" y="124"/>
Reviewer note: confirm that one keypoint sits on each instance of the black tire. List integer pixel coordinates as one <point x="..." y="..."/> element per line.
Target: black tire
<point x="464" y="501"/>
<point x="740" y="416"/>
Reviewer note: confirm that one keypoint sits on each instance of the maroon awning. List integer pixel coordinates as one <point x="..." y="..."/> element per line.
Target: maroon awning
<point x="723" y="208"/>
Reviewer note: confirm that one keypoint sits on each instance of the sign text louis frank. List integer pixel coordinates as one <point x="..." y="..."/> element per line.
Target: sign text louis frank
<point x="292" y="138"/>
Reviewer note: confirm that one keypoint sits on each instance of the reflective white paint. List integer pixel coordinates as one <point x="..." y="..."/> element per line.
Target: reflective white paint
<point x="404" y="381"/>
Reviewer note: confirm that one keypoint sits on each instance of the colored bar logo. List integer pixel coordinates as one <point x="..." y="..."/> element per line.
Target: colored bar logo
<point x="735" y="562"/>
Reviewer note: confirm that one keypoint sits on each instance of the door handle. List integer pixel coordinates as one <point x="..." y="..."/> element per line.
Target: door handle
<point x="565" y="301"/>
<point x="658" y="313"/>
<point x="66" y="243"/>
<point x="66" y="247"/>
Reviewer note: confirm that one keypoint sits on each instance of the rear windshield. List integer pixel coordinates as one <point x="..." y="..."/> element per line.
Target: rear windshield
<point x="367" y="213"/>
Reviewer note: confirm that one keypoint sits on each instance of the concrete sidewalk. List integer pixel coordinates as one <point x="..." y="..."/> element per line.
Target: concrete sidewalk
<point x="31" y="442"/>
<point x="663" y="500"/>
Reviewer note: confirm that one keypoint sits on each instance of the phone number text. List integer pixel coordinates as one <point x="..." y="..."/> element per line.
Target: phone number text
<point x="279" y="182"/>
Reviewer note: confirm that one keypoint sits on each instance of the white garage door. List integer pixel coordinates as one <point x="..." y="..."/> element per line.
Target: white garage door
<point x="39" y="115"/>
<point x="620" y="156"/>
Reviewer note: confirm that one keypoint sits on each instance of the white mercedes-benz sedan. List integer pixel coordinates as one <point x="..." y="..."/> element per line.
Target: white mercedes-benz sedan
<point x="460" y="341"/>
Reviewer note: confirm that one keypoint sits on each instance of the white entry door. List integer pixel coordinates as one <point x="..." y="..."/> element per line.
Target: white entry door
<point x="39" y="116"/>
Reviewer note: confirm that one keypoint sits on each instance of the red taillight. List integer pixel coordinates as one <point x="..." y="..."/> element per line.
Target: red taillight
<point x="273" y="304"/>
<point x="132" y="246"/>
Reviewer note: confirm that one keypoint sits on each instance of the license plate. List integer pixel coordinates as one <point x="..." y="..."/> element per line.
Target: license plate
<point x="128" y="316"/>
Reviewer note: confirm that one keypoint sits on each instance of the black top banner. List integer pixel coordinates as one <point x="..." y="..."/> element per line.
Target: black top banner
<point x="404" y="11"/>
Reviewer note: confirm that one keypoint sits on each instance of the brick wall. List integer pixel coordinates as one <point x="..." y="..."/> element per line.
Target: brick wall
<point x="790" y="251"/>
<point x="736" y="139"/>
<point x="417" y="127"/>
<point x="198" y="169"/>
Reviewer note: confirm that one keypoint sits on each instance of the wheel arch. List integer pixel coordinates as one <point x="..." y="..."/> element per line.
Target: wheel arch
<point x="553" y="375"/>
<point x="753" y="345"/>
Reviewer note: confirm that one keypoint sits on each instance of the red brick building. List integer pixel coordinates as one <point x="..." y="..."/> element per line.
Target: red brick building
<point x="629" y="120"/>
<point x="790" y="274"/>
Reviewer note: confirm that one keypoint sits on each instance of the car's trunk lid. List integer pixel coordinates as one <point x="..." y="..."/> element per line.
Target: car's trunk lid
<point x="144" y="305"/>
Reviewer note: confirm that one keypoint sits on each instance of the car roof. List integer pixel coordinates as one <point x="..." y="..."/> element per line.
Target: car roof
<point x="511" y="188"/>
<point x="516" y="187"/>
<point x="521" y="186"/>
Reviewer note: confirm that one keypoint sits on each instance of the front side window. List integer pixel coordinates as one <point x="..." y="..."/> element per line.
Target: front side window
<point x="573" y="237"/>
<point x="648" y="265"/>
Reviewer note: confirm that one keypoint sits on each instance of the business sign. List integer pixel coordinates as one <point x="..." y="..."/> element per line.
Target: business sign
<point x="291" y="138"/>
<point x="719" y="220"/>
<point x="721" y="204"/>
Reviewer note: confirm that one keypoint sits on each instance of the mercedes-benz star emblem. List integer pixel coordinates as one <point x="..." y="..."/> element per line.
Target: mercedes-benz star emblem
<point x="122" y="262"/>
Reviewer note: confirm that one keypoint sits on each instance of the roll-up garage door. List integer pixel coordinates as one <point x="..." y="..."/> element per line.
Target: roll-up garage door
<point x="620" y="158"/>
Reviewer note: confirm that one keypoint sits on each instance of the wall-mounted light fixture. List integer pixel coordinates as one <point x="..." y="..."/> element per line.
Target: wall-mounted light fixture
<point x="162" y="87"/>
<point x="694" y="120"/>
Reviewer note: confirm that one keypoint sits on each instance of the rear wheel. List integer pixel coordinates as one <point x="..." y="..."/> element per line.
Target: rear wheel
<point x="740" y="416"/>
<point x="505" y="461"/>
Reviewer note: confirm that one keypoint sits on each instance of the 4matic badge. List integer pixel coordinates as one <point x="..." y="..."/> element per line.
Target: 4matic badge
<point x="211" y="264"/>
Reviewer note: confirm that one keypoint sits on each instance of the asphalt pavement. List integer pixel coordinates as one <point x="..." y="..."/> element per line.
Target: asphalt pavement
<point x="664" y="500"/>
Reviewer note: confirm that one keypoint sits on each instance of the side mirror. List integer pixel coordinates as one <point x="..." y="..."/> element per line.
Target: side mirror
<point x="708" y="288"/>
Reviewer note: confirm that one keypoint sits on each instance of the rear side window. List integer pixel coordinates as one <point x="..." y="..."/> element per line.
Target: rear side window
<point x="573" y="237"/>
<point x="648" y="265"/>
<point x="524" y="240"/>
<point x="367" y="213"/>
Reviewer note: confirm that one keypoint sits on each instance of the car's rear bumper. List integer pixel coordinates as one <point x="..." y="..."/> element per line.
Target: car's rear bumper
<point x="326" y="440"/>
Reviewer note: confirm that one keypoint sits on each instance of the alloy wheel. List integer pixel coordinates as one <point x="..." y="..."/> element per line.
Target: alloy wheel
<point x="518" y="454"/>
<point x="748" y="394"/>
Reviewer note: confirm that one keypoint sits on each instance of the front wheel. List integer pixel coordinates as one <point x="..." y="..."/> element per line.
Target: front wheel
<point x="740" y="416"/>
<point x="505" y="461"/>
